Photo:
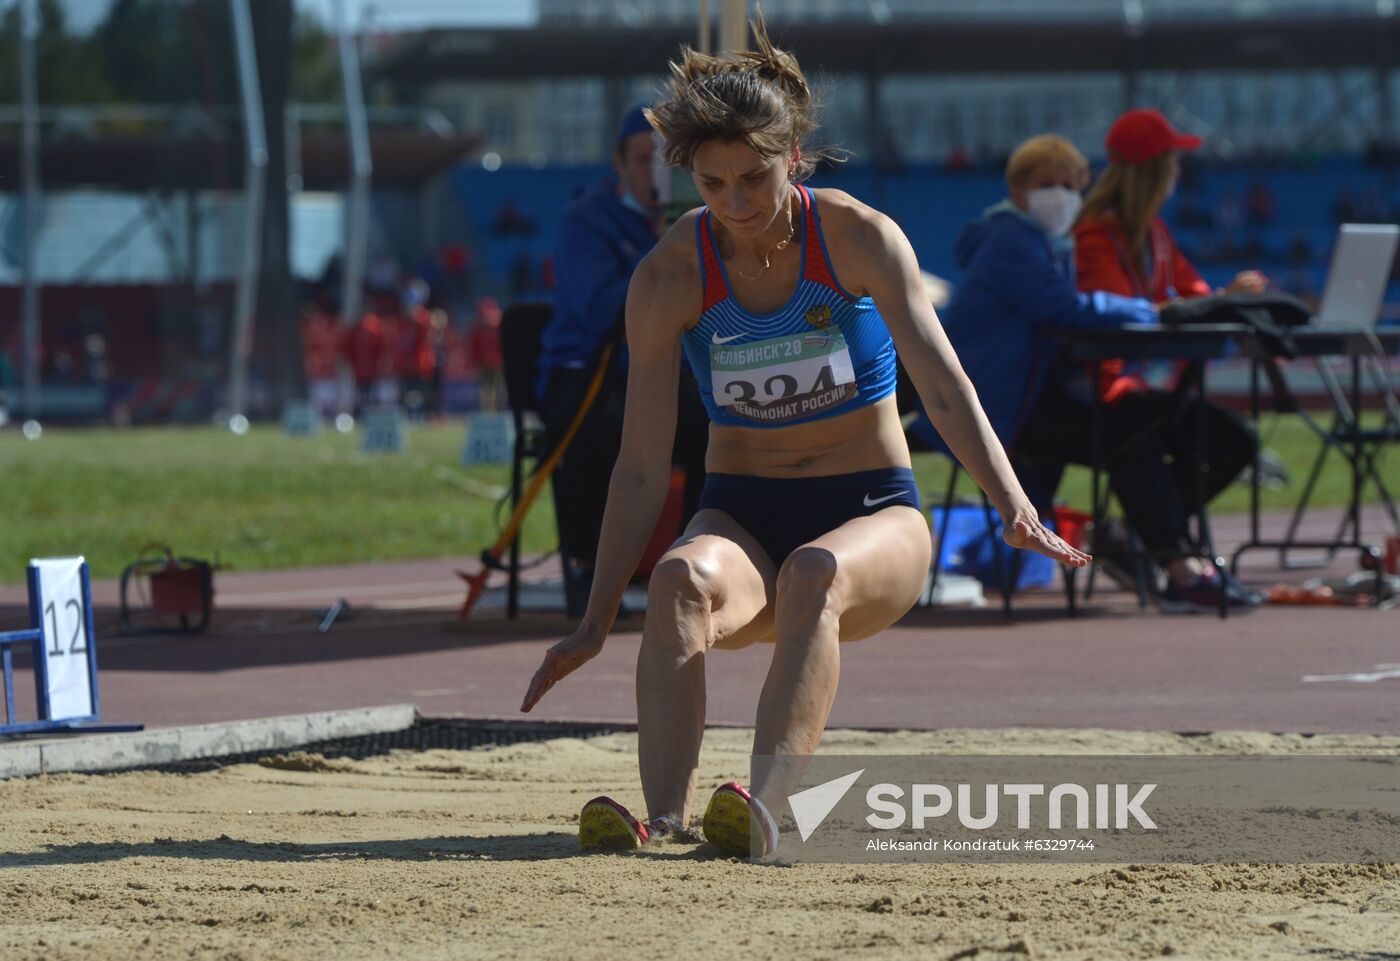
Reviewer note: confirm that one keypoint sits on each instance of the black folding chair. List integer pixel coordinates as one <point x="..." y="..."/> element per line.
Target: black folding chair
<point x="1006" y="560"/>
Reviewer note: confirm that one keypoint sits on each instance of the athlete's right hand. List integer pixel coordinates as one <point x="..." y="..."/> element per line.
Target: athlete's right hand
<point x="560" y="661"/>
<point x="1248" y="282"/>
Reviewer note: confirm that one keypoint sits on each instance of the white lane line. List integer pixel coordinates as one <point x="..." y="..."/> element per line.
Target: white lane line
<point x="408" y="603"/>
<point x="330" y="592"/>
<point x="1381" y="672"/>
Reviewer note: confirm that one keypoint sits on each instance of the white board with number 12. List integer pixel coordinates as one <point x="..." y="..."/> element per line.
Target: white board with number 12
<point x="62" y="599"/>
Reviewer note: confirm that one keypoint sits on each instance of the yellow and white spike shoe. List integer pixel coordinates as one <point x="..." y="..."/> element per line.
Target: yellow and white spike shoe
<point x="729" y="818"/>
<point x="605" y="825"/>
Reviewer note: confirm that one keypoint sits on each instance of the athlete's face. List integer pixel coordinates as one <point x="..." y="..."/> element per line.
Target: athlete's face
<point x="744" y="189"/>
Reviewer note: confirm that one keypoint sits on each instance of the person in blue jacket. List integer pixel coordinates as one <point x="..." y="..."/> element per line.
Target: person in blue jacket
<point x="602" y="237"/>
<point x="1018" y="285"/>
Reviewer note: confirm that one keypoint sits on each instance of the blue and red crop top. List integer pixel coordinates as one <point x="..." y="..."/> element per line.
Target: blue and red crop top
<point x="823" y="354"/>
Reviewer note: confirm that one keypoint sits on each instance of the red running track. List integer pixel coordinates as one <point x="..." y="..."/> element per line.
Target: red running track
<point x="1113" y="667"/>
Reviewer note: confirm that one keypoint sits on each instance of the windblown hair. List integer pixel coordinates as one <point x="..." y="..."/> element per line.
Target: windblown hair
<point x="759" y="97"/>
<point x="1132" y="193"/>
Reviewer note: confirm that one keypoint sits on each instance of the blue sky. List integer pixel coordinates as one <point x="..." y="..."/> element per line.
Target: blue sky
<point x="392" y="14"/>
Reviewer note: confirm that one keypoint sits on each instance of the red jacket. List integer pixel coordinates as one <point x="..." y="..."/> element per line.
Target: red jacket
<point x="362" y="346"/>
<point x="390" y="359"/>
<point x="486" y="346"/>
<point x="320" y="345"/>
<point x="1103" y="261"/>
<point x="456" y="355"/>
<point x="417" y="358"/>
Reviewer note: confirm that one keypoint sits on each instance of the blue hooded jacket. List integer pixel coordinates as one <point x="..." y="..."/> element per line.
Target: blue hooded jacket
<point x="1017" y="285"/>
<point x="601" y="241"/>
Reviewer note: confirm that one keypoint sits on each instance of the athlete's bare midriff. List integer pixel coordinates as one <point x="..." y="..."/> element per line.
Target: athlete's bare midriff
<point x="869" y="438"/>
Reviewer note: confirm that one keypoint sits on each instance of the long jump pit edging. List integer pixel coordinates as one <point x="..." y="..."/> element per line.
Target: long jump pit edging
<point x="458" y="839"/>
<point x="348" y="735"/>
<point x="97" y="752"/>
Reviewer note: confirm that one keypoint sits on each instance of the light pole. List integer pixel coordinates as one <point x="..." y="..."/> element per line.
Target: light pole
<point x="32" y="340"/>
<point x="254" y="186"/>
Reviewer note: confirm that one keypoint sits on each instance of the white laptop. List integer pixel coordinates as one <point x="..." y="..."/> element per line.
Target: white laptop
<point x="1361" y="264"/>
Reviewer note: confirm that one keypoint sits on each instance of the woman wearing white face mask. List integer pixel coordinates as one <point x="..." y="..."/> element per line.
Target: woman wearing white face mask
<point x="1053" y="208"/>
<point x="1018" y="284"/>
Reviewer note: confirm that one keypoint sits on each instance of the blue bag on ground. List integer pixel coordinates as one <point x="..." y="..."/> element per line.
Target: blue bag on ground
<point x="968" y="549"/>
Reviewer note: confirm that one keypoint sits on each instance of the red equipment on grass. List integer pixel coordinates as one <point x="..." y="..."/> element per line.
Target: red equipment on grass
<point x="178" y="596"/>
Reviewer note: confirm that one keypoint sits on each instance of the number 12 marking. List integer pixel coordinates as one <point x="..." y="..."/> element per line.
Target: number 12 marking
<point x="75" y="645"/>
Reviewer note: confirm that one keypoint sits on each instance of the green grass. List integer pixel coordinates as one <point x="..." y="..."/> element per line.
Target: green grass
<point x="267" y="501"/>
<point x="261" y="501"/>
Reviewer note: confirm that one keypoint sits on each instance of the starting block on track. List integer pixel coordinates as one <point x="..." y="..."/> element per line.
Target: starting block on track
<point x="63" y="645"/>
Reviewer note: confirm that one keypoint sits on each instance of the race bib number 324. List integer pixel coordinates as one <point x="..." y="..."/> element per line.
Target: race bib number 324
<point x="783" y="378"/>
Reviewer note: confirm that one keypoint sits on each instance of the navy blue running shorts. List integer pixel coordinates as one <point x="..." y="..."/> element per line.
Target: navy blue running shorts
<point x="784" y="513"/>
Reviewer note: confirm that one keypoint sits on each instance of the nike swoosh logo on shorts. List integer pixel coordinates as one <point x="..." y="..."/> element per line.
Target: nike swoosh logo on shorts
<point x="880" y="500"/>
<point x="717" y="339"/>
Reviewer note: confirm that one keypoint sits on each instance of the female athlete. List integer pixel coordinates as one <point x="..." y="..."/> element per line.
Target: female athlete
<point x="788" y="304"/>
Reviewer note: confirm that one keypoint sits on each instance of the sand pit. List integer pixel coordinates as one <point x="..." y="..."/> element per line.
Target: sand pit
<point x="456" y="854"/>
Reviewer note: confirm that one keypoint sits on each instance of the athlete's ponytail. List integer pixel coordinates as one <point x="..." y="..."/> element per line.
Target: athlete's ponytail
<point x="758" y="96"/>
<point x="776" y="66"/>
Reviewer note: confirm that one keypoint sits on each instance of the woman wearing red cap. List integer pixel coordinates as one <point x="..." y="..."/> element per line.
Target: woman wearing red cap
<point x="1123" y="247"/>
<point x="1121" y="244"/>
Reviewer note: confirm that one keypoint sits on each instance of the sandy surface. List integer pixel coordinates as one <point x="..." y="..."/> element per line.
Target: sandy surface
<point x="450" y="854"/>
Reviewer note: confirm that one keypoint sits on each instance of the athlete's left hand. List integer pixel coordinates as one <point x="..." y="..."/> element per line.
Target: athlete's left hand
<point x="1025" y="530"/>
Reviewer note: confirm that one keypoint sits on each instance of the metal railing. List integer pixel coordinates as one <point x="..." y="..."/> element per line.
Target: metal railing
<point x="636" y="13"/>
<point x="62" y="120"/>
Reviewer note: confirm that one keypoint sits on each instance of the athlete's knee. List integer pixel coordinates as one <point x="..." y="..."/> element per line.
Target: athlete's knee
<point x="809" y="575"/>
<point x="684" y="577"/>
<point x="681" y="595"/>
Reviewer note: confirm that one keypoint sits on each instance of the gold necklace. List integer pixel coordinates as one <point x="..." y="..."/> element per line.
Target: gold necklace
<point x="779" y="246"/>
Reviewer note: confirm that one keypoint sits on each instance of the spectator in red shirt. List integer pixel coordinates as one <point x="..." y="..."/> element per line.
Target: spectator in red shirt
<point x="457" y="364"/>
<point x="417" y="360"/>
<point x="485" y="341"/>
<point x="416" y="343"/>
<point x="362" y="346"/>
<point x="320" y="345"/>
<point x="388" y="385"/>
